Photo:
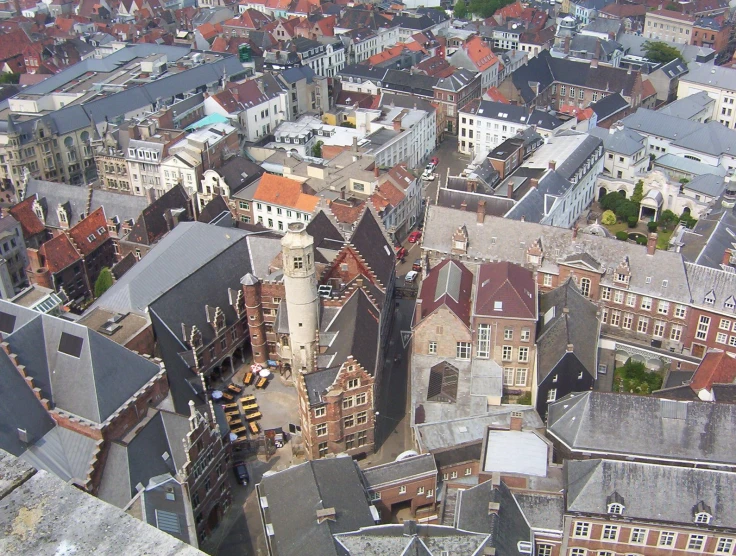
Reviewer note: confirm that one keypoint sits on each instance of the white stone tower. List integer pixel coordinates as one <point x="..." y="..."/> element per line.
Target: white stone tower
<point x="302" y="301"/>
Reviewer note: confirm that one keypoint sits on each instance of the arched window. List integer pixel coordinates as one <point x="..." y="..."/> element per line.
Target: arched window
<point x="615" y="509"/>
<point x="703" y="517"/>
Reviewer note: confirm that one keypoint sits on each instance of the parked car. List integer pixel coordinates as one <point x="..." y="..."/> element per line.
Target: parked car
<point x="241" y="473"/>
<point x="434" y="160"/>
<point x="428" y="176"/>
<point x="417" y="265"/>
<point x="411" y="276"/>
<point x="414" y="237"/>
<point x="401" y="253"/>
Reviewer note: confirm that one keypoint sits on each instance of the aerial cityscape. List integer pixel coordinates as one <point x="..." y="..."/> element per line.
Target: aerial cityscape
<point x="346" y="277"/>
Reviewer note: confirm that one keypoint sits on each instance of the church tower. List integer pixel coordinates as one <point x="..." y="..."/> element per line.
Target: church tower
<point x="302" y="301"/>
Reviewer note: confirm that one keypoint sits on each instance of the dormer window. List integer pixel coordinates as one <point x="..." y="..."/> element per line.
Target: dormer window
<point x="730" y="303"/>
<point x="617" y="509"/>
<point x="710" y="298"/>
<point x="623" y="278"/>
<point x="703" y="517"/>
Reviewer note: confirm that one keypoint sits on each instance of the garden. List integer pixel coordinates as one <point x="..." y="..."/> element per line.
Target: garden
<point x="633" y="377"/>
<point x="621" y="218"/>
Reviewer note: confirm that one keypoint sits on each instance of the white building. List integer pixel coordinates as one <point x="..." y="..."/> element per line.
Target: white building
<point x="279" y="201"/>
<point x="720" y="84"/>
<point x="626" y="152"/>
<point x="301" y="135"/>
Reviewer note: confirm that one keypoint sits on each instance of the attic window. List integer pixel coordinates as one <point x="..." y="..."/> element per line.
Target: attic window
<point x="91" y="238"/>
<point x="703" y="517"/>
<point x="70" y="345"/>
<point x="710" y="298"/>
<point x="615" y="509"/>
<point x="100" y="230"/>
<point x="443" y="379"/>
<point x="730" y="303"/>
<point x="498" y="305"/>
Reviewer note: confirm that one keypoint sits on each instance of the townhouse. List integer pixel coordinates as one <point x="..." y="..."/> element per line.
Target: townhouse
<point x="279" y="201"/>
<point x="475" y="55"/>
<point x="669" y="25"/>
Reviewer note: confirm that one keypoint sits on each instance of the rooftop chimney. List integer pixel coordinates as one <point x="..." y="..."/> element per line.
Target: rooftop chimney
<point x="594" y="63"/>
<point x="481" y="212"/>
<point x="376" y="170"/>
<point x="726" y="257"/>
<point x="575" y="232"/>
<point x="463" y="206"/>
<point x="569" y="348"/>
<point x="567" y="45"/>
<point x="326" y="514"/>
<point x="651" y="244"/>
<point x="552" y="164"/>
<point x="516" y="421"/>
<point x="510" y="186"/>
<point x="355" y="143"/>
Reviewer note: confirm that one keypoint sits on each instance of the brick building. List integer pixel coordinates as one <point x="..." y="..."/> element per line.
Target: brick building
<point x="406" y="483"/>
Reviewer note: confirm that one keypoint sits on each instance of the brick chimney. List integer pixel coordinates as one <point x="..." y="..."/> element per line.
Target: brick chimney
<point x="534" y="182"/>
<point x="726" y="257"/>
<point x="552" y="164"/>
<point x="651" y="244"/>
<point x="575" y="232"/>
<point x="510" y="186"/>
<point x="463" y="206"/>
<point x="418" y="311"/>
<point x="516" y="421"/>
<point x="481" y="212"/>
<point x="567" y="45"/>
<point x="376" y="170"/>
<point x="570" y="348"/>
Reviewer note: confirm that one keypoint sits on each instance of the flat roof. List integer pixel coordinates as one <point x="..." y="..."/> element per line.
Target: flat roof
<point x="520" y="452"/>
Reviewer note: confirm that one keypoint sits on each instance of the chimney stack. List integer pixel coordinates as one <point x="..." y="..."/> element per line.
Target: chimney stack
<point x="567" y="45"/>
<point x="516" y="421"/>
<point x="726" y="257"/>
<point x="651" y="244"/>
<point x="575" y="232"/>
<point x="355" y="143"/>
<point x="534" y="182"/>
<point x="552" y="164"/>
<point x="376" y="170"/>
<point x="510" y="186"/>
<point x="569" y="348"/>
<point x="481" y="212"/>
<point x="463" y="206"/>
<point x="594" y="63"/>
<point x="418" y="311"/>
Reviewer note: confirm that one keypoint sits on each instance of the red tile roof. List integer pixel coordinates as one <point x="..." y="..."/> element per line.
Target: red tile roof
<point x="90" y="233"/>
<point x="346" y="212"/>
<point x="285" y="192"/>
<point x="505" y="290"/>
<point x="59" y="253"/>
<point x="717" y="367"/>
<point x="401" y="176"/>
<point x="29" y="222"/>
<point x="448" y="284"/>
<point x="673" y="14"/>
<point x="480" y="53"/>
<point x="387" y="194"/>
<point x="496" y="96"/>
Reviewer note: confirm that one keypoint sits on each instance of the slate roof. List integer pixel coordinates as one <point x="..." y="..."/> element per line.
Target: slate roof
<point x="507" y="527"/>
<point x="213" y="210"/>
<point x="376" y="477"/>
<point x="620" y="141"/>
<point x="542" y="510"/>
<point x="92" y="384"/>
<point x="682" y="164"/>
<point x="511" y="285"/>
<point x="370" y="240"/>
<point x="52" y="195"/>
<point x="238" y="172"/>
<point x="189" y="246"/>
<point x="152" y="225"/>
<point x="676" y="431"/>
<point x="411" y="538"/>
<point x="558" y="244"/>
<point x="708" y="184"/>
<point x="21" y="409"/>
<point x="63" y="452"/>
<point x="668" y="492"/>
<point x="712" y="76"/>
<point x="321" y="484"/>
<point x="689" y="106"/>
<point x="448" y="284"/>
<point x="459" y="79"/>
<point x="718" y="283"/>
<point x="578" y="327"/>
<point x="137" y="459"/>
<point x="609" y="105"/>
<point x="711" y="138"/>
<point x="293" y="75"/>
<point x="415" y="23"/>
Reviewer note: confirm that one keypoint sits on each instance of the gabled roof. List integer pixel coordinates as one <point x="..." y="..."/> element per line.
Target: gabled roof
<point x="79" y="370"/>
<point x="152" y="224"/>
<point x="717" y="367"/>
<point x="29" y="222"/>
<point x="505" y="290"/>
<point x="480" y="53"/>
<point x="370" y="240"/>
<point x="285" y="192"/>
<point x="90" y="233"/>
<point x="322" y="484"/>
<point x="676" y="431"/>
<point x="59" y="253"/>
<point x="448" y="284"/>
<point x="671" y="493"/>
<point x="568" y="319"/>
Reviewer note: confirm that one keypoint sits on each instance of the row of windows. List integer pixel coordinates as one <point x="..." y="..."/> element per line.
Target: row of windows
<point x="354" y="440"/>
<point x="626" y="321"/>
<point x="463" y="349"/>
<point x="645" y="303"/>
<point x="428" y="493"/>
<point x="639" y="535"/>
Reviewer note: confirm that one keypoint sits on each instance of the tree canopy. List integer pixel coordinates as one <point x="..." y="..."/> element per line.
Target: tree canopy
<point x="103" y="282"/>
<point x="486" y="8"/>
<point x="661" y="52"/>
<point x="461" y="10"/>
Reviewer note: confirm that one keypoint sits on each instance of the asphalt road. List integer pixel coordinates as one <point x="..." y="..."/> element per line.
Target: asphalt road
<point x="450" y="160"/>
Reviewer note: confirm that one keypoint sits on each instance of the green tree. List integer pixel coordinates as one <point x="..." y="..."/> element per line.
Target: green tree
<point x="633" y="377"/>
<point x="104" y="282"/>
<point x="461" y="10"/>
<point x="317" y="149"/>
<point x="668" y="219"/>
<point x="608" y="218"/>
<point x="638" y="193"/>
<point x="661" y="52"/>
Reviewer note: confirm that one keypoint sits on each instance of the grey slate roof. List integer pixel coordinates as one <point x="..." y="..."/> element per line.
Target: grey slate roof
<point x="718" y="283"/>
<point x="182" y="251"/>
<point x="63" y="452"/>
<point x="707" y="184"/>
<point x="689" y="106"/>
<point x="676" y="431"/>
<point x="370" y="241"/>
<point x="609" y="105"/>
<point x="682" y="164"/>
<point x="67" y="517"/>
<point x="320" y="484"/>
<point x="507" y="527"/>
<point x="542" y="510"/>
<point x="620" y="141"/>
<point x="659" y="124"/>
<point x="712" y="76"/>
<point x="52" y="195"/>
<point x="92" y="386"/>
<point x="399" y="470"/>
<point x="457" y="81"/>
<point x="411" y="538"/>
<point x="579" y="327"/>
<point x="664" y="492"/>
<point x="558" y="244"/>
<point x="711" y="138"/>
<point x="292" y="75"/>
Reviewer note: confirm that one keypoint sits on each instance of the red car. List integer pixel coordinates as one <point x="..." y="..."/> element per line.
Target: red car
<point x="414" y="237"/>
<point x="401" y="253"/>
<point x="434" y="160"/>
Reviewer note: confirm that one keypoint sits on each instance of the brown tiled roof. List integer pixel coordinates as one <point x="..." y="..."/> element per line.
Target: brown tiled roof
<point x="59" y="253"/>
<point x="278" y="190"/>
<point x="386" y="194"/>
<point x="347" y="212"/>
<point x="401" y="176"/>
<point x="624" y="10"/>
<point x="717" y="367"/>
<point x="29" y="222"/>
<point x="674" y="15"/>
<point x="511" y="285"/>
<point x="451" y="287"/>
<point x="480" y="53"/>
<point x="90" y="232"/>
